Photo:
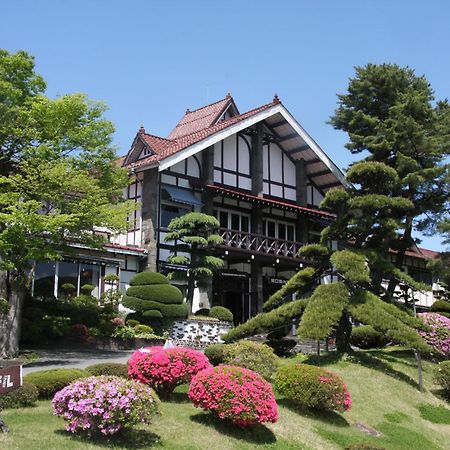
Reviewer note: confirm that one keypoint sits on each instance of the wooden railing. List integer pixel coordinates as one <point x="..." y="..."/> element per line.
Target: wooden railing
<point x="259" y="243"/>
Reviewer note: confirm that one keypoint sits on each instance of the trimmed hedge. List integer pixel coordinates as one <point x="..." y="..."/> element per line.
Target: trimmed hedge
<point x="114" y="369"/>
<point x="440" y="306"/>
<point x="367" y="337"/>
<point x="139" y="329"/>
<point x="152" y="313"/>
<point x="145" y="278"/>
<point x="221" y="313"/>
<point x="215" y="353"/>
<point x="158" y="292"/>
<point x="26" y="395"/>
<point x="48" y="382"/>
<point x="202" y="312"/>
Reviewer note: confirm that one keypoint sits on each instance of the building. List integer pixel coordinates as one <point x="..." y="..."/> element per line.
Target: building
<point x="259" y="172"/>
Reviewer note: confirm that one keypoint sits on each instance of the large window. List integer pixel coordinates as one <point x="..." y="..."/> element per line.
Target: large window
<point x="44" y="280"/>
<point x="278" y="229"/>
<point x="67" y="273"/>
<point x="233" y="220"/>
<point x="169" y="212"/>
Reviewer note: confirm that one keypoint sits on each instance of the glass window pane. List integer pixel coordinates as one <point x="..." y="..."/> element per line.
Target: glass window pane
<point x="235" y="222"/>
<point x="290" y="233"/>
<point x="67" y="273"/>
<point x="223" y="219"/>
<point x="282" y="231"/>
<point x="169" y="212"/>
<point x="244" y="224"/>
<point x="44" y="280"/>
<point x="90" y="274"/>
<point x="270" y="228"/>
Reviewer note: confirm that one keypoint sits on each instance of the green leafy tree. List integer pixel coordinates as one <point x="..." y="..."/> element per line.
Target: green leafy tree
<point x="194" y="234"/>
<point x="58" y="180"/>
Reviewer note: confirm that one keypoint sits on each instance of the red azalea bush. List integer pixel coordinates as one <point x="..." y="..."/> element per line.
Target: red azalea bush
<point x="313" y="387"/>
<point x="439" y="335"/>
<point x="79" y="332"/>
<point x="235" y="394"/>
<point x="165" y="369"/>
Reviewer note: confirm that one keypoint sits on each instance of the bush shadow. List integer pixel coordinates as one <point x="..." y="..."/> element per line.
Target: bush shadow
<point x="328" y="417"/>
<point x="256" y="434"/>
<point x="134" y="438"/>
<point x="177" y="397"/>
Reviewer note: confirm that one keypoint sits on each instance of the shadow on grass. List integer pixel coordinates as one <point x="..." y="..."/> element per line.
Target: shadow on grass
<point x="376" y="360"/>
<point x="328" y="417"/>
<point x="256" y="434"/>
<point x="177" y="397"/>
<point x="134" y="438"/>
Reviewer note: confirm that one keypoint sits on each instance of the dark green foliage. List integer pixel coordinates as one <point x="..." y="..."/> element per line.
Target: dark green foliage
<point x="282" y="347"/>
<point x="221" y="313"/>
<point x="84" y="301"/>
<point x="315" y="253"/>
<point x="295" y="284"/>
<point x="215" y="354"/>
<point x="48" y="382"/>
<point x="370" y="310"/>
<point x="141" y="329"/>
<point x="132" y="322"/>
<point x="158" y="301"/>
<point x="87" y="289"/>
<point x="252" y="355"/>
<point x="26" y="395"/>
<point x="435" y="414"/>
<point x="114" y="369"/>
<point x="352" y="266"/>
<point x="442" y="376"/>
<point x="262" y="323"/>
<point x="323" y="311"/>
<point x="202" y="312"/>
<point x="145" y="278"/>
<point x="162" y="293"/>
<point x="440" y="306"/>
<point x="68" y="288"/>
<point x="367" y="337"/>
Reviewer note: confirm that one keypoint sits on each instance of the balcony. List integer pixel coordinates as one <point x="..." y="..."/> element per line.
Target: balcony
<point x="256" y="243"/>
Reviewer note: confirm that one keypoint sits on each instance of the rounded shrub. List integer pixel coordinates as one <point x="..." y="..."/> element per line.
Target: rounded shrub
<point x="442" y="376"/>
<point x="132" y="322"/>
<point x="365" y="336"/>
<point x="252" y="355"/>
<point x="238" y="395"/>
<point x="143" y="329"/>
<point x="151" y="295"/>
<point x="114" y="369"/>
<point x="440" y="306"/>
<point x="202" y="312"/>
<point x="215" y="353"/>
<point x="439" y="335"/>
<point x="79" y="332"/>
<point x="48" y="382"/>
<point x="165" y="369"/>
<point x="26" y="395"/>
<point x="221" y="313"/>
<point x="87" y="289"/>
<point x="105" y="405"/>
<point x="313" y="387"/>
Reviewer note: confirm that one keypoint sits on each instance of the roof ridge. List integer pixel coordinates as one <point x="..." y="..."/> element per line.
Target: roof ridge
<point x="209" y="104"/>
<point x="158" y="137"/>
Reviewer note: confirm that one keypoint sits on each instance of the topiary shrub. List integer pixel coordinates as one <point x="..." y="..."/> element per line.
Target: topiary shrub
<point x="215" y="353"/>
<point x="221" y="313"/>
<point x="105" y="405"/>
<point x="282" y="347"/>
<point x="26" y="395"/>
<point x="114" y="369"/>
<point x="132" y="323"/>
<point x="365" y="336"/>
<point x="143" y="329"/>
<point x="87" y="289"/>
<point x="238" y="395"/>
<point x="151" y="295"/>
<point x="252" y="355"/>
<point x="442" y="376"/>
<point x="165" y="369"/>
<point x="202" y="312"/>
<point x="439" y="335"/>
<point x="440" y="306"/>
<point x="48" y="382"/>
<point x="313" y="387"/>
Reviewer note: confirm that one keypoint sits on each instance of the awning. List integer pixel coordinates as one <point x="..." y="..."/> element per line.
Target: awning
<point x="179" y="195"/>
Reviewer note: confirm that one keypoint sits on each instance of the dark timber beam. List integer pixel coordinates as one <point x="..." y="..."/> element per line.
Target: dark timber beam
<point x="256" y="161"/>
<point x="321" y="173"/>
<point x="278" y="124"/>
<point x="298" y="149"/>
<point x="330" y="185"/>
<point x="288" y="136"/>
<point x="313" y="161"/>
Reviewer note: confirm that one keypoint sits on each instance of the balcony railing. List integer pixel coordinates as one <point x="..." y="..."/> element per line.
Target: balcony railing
<point x="259" y="244"/>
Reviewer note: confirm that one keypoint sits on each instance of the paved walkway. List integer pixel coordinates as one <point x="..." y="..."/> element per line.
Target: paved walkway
<point x="74" y="358"/>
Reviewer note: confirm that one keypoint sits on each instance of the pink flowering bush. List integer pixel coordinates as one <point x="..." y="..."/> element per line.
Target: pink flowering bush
<point x="439" y="335"/>
<point x="165" y="369"/>
<point x="105" y="404"/>
<point x="313" y="387"/>
<point x="235" y="394"/>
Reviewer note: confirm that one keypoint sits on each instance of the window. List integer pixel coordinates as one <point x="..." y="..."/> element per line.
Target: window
<point x="44" y="280"/>
<point x="67" y="273"/>
<point x="169" y="212"/>
<point x="90" y="274"/>
<point x="233" y="220"/>
<point x="279" y="230"/>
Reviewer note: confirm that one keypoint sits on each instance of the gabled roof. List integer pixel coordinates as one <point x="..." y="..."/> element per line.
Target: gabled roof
<point x="202" y="118"/>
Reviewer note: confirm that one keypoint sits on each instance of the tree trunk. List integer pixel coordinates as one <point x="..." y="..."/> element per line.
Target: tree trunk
<point x="343" y="333"/>
<point x="190" y="293"/>
<point x="419" y="369"/>
<point x="10" y="322"/>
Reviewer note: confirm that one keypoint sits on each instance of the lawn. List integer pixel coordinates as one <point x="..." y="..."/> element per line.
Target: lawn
<point x="385" y="398"/>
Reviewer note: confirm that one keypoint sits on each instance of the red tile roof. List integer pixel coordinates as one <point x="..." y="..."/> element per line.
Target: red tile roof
<point x="156" y="143"/>
<point x="201" y="118"/>
<point x="125" y="247"/>
<point x="422" y="253"/>
<point x="165" y="147"/>
<point x="272" y="202"/>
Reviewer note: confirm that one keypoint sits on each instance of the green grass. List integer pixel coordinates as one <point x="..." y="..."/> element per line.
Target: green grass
<point x="435" y="414"/>
<point x="385" y="397"/>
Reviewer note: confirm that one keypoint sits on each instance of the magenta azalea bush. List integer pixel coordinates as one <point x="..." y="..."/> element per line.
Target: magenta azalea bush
<point x="439" y="336"/>
<point x="105" y="404"/>
<point x="164" y="369"/>
<point x="235" y="394"/>
<point x="313" y="387"/>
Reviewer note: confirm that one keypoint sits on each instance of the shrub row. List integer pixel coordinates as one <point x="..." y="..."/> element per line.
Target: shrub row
<point x="216" y="312"/>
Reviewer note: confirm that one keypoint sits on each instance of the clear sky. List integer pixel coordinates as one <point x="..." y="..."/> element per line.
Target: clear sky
<point x="150" y="60"/>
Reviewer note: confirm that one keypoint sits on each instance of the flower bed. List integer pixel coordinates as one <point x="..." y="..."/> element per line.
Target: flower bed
<point x="235" y="394"/>
<point x="104" y="404"/>
<point x="164" y="369"/>
<point x="439" y="335"/>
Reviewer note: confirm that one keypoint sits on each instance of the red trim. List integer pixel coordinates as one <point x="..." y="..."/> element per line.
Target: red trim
<point x="271" y="202"/>
<point x="125" y="247"/>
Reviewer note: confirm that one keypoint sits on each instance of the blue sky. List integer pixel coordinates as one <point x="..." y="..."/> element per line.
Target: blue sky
<point x="150" y="60"/>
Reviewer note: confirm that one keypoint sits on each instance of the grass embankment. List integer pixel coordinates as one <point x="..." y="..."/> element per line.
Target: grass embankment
<point x="385" y="398"/>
